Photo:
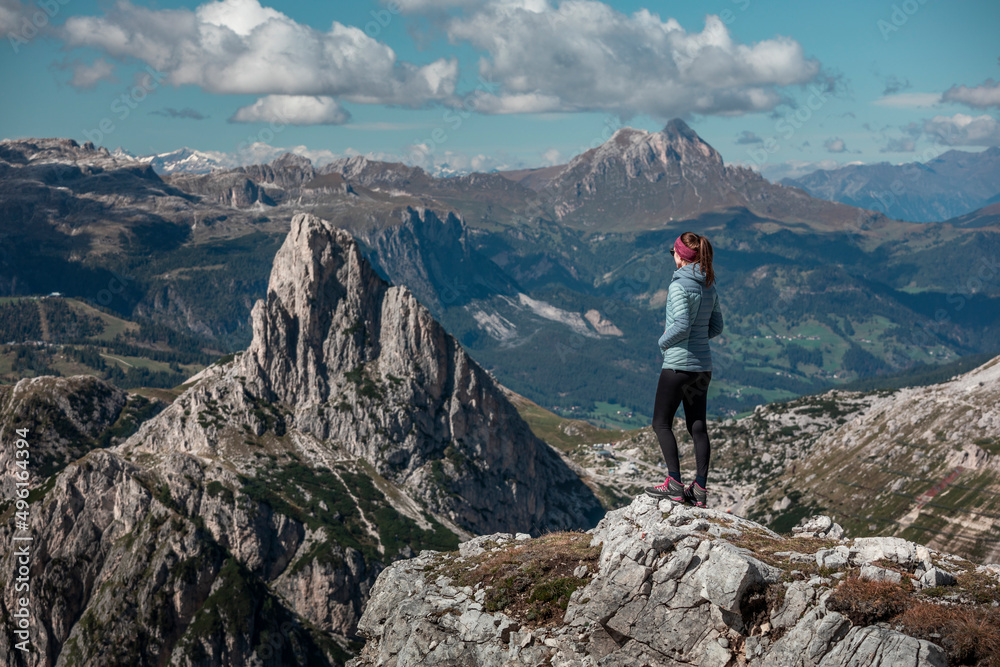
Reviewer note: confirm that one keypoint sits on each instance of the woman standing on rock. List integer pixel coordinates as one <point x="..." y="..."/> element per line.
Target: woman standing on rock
<point x="693" y="316"/>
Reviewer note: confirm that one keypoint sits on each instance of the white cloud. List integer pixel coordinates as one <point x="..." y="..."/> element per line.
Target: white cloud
<point x="552" y="157"/>
<point x="87" y="76"/>
<point x="961" y="130"/>
<point x="909" y="100"/>
<point x="436" y="6"/>
<point x="263" y="153"/>
<point x="423" y="6"/>
<point x="241" y="47"/>
<point x="583" y="55"/>
<point x="835" y="145"/>
<point x="984" y="95"/>
<point x="293" y="110"/>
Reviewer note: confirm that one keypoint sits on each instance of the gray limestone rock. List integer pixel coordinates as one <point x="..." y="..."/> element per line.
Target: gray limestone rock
<point x="937" y="577"/>
<point x="895" y="549"/>
<point x="834" y="559"/>
<point x="878" y="647"/>
<point x="873" y="573"/>
<point x="819" y="525"/>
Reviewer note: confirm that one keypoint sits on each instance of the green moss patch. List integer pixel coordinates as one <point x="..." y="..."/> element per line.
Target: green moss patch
<point x="529" y="580"/>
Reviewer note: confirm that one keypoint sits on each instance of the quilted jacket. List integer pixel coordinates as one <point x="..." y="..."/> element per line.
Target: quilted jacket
<point x="693" y="316"/>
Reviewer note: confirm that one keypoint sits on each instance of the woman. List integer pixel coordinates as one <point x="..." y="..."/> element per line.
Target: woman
<point x="693" y="316"/>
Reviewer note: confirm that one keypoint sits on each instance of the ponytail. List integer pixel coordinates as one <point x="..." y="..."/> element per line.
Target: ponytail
<point x="703" y="248"/>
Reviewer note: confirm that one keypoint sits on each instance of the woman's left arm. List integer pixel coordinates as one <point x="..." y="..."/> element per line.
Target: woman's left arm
<point x="677" y="306"/>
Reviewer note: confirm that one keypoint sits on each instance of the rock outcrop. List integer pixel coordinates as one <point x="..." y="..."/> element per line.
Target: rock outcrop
<point x="672" y="585"/>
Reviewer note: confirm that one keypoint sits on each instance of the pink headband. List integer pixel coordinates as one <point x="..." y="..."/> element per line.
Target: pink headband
<point x="685" y="252"/>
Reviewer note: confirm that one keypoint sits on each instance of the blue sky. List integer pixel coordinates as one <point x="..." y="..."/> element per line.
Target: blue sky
<point x="482" y="84"/>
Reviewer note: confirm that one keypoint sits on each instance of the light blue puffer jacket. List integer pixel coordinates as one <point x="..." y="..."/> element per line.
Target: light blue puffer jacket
<point x="693" y="316"/>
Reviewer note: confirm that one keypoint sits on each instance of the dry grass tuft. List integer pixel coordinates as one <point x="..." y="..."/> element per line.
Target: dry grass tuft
<point x="969" y="635"/>
<point x="866" y="602"/>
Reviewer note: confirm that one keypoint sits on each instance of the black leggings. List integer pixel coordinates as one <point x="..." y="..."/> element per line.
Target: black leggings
<point x="691" y="388"/>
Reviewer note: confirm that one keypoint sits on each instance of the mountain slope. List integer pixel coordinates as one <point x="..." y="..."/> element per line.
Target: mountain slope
<point x="248" y="520"/>
<point x="921" y="463"/>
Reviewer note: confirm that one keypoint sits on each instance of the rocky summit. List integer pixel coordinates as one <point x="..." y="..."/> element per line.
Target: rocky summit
<point x="662" y="584"/>
<point x="246" y="523"/>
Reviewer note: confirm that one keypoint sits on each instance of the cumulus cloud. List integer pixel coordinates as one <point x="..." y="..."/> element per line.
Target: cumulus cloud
<point x="960" y="130"/>
<point x="293" y="110"/>
<point x="186" y="112"/>
<point x="748" y="137"/>
<point x="899" y="145"/>
<point x="835" y="145"/>
<point x="242" y="47"/>
<point x="586" y="56"/>
<point x="259" y="152"/>
<point x="984" y="95"/>
<point x="86" y="77"/>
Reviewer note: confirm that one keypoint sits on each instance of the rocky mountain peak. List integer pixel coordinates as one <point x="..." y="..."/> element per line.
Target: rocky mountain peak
<point x="371" y="173"/>
<point x="639" y="150"/>
<point x="291" y="161"/>
<point x="356" y="361"/>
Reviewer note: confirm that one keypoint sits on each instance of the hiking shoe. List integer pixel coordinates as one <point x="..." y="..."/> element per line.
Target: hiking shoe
<point x="696" y="494"/>
<point x="670" y="489"/>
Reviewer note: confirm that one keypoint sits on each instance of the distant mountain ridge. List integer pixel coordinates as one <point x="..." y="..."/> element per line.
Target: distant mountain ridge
<point x="551" y="278"/>
<point x="951" y="185"/>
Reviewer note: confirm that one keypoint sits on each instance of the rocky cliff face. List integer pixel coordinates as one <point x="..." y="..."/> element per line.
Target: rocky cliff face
<point x="246" y="523"/>
<point x="433" y="256"/>
<point x="665" y="584"/>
